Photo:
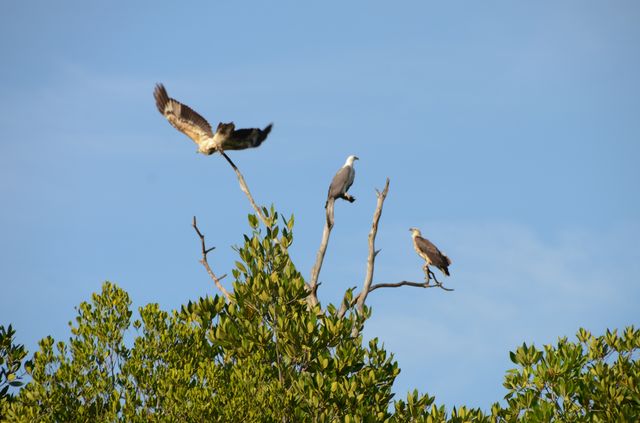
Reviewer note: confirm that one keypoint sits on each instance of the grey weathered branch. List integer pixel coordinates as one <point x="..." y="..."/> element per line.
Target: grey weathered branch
<point x="205" y="262"/>
<point x="345" y="306"/>
<point x="245" y="189"/>
<point x="409" y="283"/>
<point x="315" y="271"/>
<point x="362" y="297"/>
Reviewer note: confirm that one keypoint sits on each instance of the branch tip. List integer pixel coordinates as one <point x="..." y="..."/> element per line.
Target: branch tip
<point x="205" y="262"/>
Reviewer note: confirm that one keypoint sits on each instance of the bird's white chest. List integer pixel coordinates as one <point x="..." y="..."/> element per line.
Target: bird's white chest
<point x="352" y="176"/>
<point x="211" y="145"/>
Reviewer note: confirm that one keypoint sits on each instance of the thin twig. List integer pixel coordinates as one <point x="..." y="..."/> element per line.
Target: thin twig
<point x="205" y="262"/>
<point x="362" y="297"/>
<point x="245" y="189"/>
<point x="315" y="271"/>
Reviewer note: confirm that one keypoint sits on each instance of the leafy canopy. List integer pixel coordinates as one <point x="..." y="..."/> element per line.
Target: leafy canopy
<point x="267" y="356"/>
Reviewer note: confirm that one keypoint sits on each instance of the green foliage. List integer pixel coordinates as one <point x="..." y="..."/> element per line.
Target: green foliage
<point x="422" y="409"/>
<point x="267" y="356"/>
<point x="262" y="356"/>
<point x="596" y="379"/>
<point x="11" y="356"/>
<point x="80" y="380"/>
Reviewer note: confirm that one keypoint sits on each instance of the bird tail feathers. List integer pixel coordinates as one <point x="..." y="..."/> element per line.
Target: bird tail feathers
<point x="262" y="135"/>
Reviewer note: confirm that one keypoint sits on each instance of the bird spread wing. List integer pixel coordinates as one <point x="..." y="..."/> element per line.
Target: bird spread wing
<point x="341" y="182"/>
<point x="246" y="138"/>
<point x="181" y="116"/>
<point x="435" y="256"/>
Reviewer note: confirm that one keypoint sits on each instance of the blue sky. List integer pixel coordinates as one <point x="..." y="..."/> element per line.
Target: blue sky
<point x="510" y="132"/>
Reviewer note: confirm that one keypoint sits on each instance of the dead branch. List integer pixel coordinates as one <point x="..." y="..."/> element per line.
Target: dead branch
<point x="372" y="249"/>
<point x="408" y="283"/>
<point x="315" y="271"/>
<point x="345" y="306"/>
<point x="245" y="189"/>
<point x="205" y="262"/>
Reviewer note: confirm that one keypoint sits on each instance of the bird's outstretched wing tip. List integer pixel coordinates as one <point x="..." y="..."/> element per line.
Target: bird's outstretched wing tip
<point x="159" y="88"/>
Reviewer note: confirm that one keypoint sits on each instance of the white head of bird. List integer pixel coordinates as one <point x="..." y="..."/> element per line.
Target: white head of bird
<point x="350" y="160"/>
<point x="415" y="232"/>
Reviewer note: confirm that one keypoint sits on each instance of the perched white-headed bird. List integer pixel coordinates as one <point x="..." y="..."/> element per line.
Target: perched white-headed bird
<point x="190" y="123"/>
<point x="429" y="252"/>
<point x="342" y="181"/>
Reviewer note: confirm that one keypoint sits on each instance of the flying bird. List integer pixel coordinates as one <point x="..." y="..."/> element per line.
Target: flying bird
<point x="342" y="182"/>
<point x="429" y="252"/>
<point x="190" y="123"/>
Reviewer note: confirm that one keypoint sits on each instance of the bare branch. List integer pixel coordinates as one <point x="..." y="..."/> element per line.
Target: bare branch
<point x="315" y="271"/>
<point x="345" y="305"/>
<point x="245" y="189"/>
<point x="372" y="248"/>
<point x="408" y="283"/>
<point x="205" y="262"/>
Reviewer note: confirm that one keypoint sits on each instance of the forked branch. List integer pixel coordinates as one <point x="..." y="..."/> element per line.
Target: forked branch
<point x="245" y="189"/>
<point x="205" y="262"/>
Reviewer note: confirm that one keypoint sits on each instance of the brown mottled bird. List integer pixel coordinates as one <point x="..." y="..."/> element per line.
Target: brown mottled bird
<point x="430" y="252"/>
<point x="189" y="122"/>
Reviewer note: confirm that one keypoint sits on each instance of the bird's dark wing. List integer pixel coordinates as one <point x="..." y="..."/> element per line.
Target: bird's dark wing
<point x="241" y="139"/>
<point x="340" y="183"/>
<point x="437" y="258"/>
<point x="181" y="116"/>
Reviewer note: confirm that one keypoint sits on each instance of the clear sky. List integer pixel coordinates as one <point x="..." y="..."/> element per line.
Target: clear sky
<point x="510" y="132"/>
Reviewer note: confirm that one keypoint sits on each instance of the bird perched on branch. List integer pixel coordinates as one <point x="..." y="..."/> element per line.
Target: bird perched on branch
<point x="342" y="182"/>
<point x="189" y="122"/>
<point x="429" y="253"/>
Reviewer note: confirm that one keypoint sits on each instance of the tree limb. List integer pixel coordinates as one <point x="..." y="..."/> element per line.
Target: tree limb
<point x="345" y="305"/>
<point x="315" y="271"/>
<point x="245" y="189"/>
<point x="409" y="283"/>
<point x="372" y="248"/>
<point x="205" y="262"/>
